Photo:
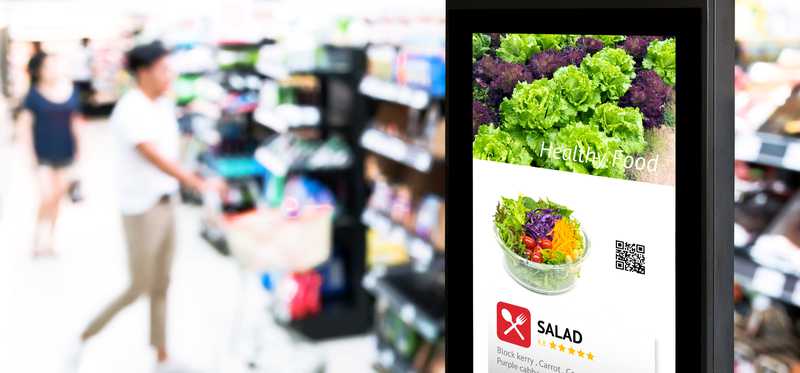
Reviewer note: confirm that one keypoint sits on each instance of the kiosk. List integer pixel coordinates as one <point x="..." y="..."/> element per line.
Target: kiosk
<point x="592" y="195"/>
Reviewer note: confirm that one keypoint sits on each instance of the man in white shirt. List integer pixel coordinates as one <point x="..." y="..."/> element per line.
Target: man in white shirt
<point x="146" y="130"/>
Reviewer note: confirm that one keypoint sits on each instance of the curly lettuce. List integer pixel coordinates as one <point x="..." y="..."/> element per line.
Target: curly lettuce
<point x="518" y="48"/>
<point x="537" y="105"/>
<point x="611" y="80"/>
<point x="608" y="40"/>
<point x="661" y="59"/>
<point x="577" y="89"/>
<point x="624" y="124"/>
<point x="595" y="151"/>
<point x="480" y="45"/>
<point x="619" y="58"/>
<point x="495" y="144"/>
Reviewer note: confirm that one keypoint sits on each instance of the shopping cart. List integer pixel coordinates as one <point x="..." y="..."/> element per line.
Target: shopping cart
<point x="276" y="241"/>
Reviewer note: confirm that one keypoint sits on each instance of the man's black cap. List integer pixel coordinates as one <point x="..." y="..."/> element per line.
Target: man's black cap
<point x="144" y="55"/>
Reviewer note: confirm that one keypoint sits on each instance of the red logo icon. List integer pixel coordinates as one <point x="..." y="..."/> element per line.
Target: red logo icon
<point x="514" y="324"/>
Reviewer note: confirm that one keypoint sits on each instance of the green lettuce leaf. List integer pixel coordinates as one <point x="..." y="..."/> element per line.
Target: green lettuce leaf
<point x="611" y="81"/>
<point x="588" y="140"/>
<point x="537" y="105"/>
<point x="518" y="48"/>
<point x="608" y="40"/>
<point x="495" y="144"/>
<point x="625" y="124"/>
<point x="480" y="45"/>
<point x="577" y="88"/>
<point x="661" y="59"/>
<point x="619" y="58"/>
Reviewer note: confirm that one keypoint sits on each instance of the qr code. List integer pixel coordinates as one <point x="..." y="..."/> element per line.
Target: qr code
<point x="630" y="257"/>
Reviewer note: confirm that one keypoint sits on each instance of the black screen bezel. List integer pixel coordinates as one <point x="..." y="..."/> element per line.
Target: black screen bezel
<point x="687" y="26"/>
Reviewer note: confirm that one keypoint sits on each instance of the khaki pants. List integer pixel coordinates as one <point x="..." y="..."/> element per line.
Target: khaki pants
<point x="151" y="247"/>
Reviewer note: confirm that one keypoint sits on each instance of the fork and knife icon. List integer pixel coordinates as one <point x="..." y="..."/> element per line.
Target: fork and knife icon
<point x="515" y="323"/>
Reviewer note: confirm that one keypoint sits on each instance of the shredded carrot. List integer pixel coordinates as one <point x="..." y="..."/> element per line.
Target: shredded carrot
<point x="565" y="238"/>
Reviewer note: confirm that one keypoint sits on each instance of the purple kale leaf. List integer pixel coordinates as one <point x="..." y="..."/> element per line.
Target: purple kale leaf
<point x="544" y="64"/>
<point x="648" y="93"/>
<point x="636" y="46"/>
<point x="482" y="114"/>
<point x="590" y="45"/>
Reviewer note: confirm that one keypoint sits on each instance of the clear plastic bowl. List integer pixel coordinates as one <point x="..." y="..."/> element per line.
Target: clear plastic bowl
<point x="548" y="279"/>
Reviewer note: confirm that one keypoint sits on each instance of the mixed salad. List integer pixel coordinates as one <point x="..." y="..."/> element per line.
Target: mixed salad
<point x="540" y="231"/>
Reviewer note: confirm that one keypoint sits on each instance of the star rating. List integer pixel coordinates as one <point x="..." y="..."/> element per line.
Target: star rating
<point x="560" y="347"/>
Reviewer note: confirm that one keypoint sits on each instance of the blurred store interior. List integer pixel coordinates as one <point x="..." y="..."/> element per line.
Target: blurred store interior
<point x="767" y="176"/>
<point x="326" y="122"/>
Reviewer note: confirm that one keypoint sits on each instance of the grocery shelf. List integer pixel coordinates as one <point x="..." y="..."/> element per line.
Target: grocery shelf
<point x="767" y="281"/>
<point x="396" y="149"/>
<point x="285" y="117"/>
<point x="418" y="247"/>
<point x="388" y="91"/>
<point x="768" y="149"/>
<point x="417" y="297"/>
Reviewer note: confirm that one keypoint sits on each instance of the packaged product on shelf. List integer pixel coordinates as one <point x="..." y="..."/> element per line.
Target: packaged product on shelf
<point x="761" y="194"/>
<point x="786" y="119"/>
<point x="779" y="247"/>
<point x="380" y="61"/>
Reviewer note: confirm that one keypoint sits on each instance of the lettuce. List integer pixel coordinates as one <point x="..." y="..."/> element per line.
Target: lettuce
<point x="480" y="45"/>
<point x="536" y="106"/>
<point x="619" y="58"/>
<point x="518" y="48"/>
<point x="661" y="59"/>
<point x="624" y="124"/>
<point x="577" y="88"/>
<point x="608" y="40"/>
<point x="611" y="80"/>
<point x="589" y="140"/>
<point x="494" y="144"/>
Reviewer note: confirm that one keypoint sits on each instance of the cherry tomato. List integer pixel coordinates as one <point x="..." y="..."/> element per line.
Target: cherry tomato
<point x="546" y="244"/>
<point x="537" y="257"/>
<point x="529" y="242"/>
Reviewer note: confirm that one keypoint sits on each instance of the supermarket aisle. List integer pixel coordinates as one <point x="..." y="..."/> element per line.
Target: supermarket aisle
<point x="46" y="302"/>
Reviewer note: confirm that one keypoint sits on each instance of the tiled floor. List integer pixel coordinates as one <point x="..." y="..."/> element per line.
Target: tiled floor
<point x="45" y="303"/>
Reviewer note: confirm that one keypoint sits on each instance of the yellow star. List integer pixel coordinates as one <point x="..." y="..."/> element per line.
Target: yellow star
<point x="561" y="347"/>
<point x="590" y="356"/>
<point x="553" y="345"/>
<point x="581" y="353"/>
<point x="571" y="351"/>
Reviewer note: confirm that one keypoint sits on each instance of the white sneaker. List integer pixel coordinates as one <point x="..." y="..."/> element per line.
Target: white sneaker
<point x="170" y="366"/>
<point x="72" y="361"/>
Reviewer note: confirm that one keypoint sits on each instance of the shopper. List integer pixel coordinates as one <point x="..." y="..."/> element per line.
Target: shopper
<point x="50" y="109"/>
<point x="82" y="73"/>
<point x="146" y="130"/>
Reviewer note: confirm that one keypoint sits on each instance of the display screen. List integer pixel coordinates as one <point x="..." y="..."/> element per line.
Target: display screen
<point x="574" y="168"/>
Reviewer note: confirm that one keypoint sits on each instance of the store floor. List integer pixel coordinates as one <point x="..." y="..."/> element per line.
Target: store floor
<point x="44" y="303"/>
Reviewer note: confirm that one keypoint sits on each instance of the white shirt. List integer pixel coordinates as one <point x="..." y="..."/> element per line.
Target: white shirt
<point x="82" y="66"/>
<point x="137" y="119"/>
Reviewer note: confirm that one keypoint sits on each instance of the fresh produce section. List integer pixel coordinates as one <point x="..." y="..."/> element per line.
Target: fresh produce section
<point x="599" y="105"/>
<point x="542" y="242"/>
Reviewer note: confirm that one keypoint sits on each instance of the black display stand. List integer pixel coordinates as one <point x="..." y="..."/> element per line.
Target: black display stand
<point x="705" y="156"/>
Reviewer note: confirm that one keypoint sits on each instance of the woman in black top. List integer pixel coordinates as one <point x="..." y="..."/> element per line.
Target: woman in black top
<point x="51" y="108"/>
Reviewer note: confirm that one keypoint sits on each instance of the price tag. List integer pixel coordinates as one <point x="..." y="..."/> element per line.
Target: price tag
<point x="791" y="159"/>
<point x="747" y="147"/>
<point x="769" y="282"/>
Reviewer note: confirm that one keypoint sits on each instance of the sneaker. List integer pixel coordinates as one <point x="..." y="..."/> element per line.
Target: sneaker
<point x="72" y="362"/>
<point x="75" y="192"/>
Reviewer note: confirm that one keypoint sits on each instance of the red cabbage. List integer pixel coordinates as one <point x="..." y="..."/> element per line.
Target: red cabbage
<point x="540" y="223"/>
